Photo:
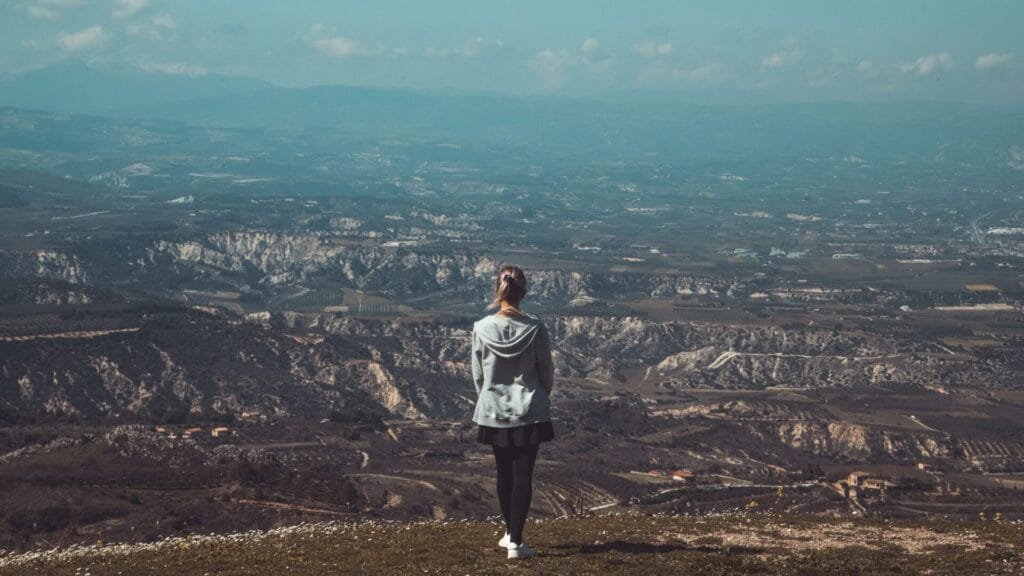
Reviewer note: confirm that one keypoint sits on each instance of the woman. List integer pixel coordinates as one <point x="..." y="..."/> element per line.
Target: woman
<point x="513" y="374"/>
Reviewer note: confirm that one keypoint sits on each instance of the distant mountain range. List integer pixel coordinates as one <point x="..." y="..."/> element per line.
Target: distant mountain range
<point x="621" y="124"/>
<point x="73" y="86"/>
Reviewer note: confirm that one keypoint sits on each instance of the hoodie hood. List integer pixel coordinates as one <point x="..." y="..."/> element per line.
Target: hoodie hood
<point x="507" y="337"/>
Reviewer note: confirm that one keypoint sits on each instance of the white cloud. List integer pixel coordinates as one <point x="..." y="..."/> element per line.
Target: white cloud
<point x="865" y="66"/>
<point x="553" y="66"/>
<point x="471" y="48"/>
<point x="555" y="57"/>
<point x="432" y="52"/>
<point x="159" y="27"/>
<point x="590" y="46"/>
<point x="41" y="12"/>
<point x="88" y="38"/>
<point x="773" y="61"/>
<point x="707" y="73"/>
<point x="651" y="49"/>
<point x="926" y="65"/>
<point x="165" y="21"/>
<point x="556" y="67"/>
<point x="590" y="64"/>
<point x="48" y="9"/>
<point x="595" y="61"/>
<point x="173" y="68"/>
<point x="126" y="8"/>
<point x="993" y="60"/>
<point x="340" y="47"/>
<point x="780" y="59"/>
<point x="328" y="42"/>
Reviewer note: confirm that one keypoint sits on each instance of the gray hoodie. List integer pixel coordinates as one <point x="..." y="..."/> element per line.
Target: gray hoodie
<point x="512" y="371"/>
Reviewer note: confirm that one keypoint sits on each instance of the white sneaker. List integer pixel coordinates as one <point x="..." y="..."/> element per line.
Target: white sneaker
<point x="519" y="551"/>
<point x="503" y="543"/>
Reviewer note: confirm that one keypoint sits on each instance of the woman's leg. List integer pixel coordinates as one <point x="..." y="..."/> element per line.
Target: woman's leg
<point x="522" y="490"/>
<point x="504" y="458"/>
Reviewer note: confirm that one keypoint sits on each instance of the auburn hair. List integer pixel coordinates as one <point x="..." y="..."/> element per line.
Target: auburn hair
<point x="509" y="286"/>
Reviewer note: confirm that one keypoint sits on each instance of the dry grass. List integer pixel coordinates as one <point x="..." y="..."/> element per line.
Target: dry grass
<point x="617" y="544"/>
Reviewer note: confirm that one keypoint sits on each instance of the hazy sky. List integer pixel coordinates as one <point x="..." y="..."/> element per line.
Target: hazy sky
<point x="709" y="49"/>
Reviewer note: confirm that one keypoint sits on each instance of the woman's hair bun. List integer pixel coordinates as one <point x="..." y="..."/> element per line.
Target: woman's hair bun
<point x="510" y="285"/>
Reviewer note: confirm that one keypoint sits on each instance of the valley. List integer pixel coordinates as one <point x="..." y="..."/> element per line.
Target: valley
<point x="274" y="326"/>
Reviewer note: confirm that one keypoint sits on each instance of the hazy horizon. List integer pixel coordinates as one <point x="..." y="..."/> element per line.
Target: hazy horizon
<point x="735" y="52"/>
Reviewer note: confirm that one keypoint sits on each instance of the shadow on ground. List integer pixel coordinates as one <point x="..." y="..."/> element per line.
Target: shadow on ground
<point x="624" y="547"/>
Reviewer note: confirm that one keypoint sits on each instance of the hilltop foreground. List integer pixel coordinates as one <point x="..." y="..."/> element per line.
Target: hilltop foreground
<point x="617" y="544"/>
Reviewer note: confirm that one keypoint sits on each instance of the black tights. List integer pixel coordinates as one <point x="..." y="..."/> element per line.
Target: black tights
<point x="515" y="486"/>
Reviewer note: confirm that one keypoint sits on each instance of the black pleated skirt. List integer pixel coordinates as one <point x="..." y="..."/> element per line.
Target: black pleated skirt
<point x="526" y="435"/>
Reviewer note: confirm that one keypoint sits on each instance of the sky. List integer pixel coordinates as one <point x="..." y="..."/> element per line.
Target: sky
<point x="714" y="50"/>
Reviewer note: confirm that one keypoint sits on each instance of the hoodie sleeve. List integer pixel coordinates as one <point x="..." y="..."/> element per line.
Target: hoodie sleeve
<point x="477" y="362"/>
<point x="545" y="366"/>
